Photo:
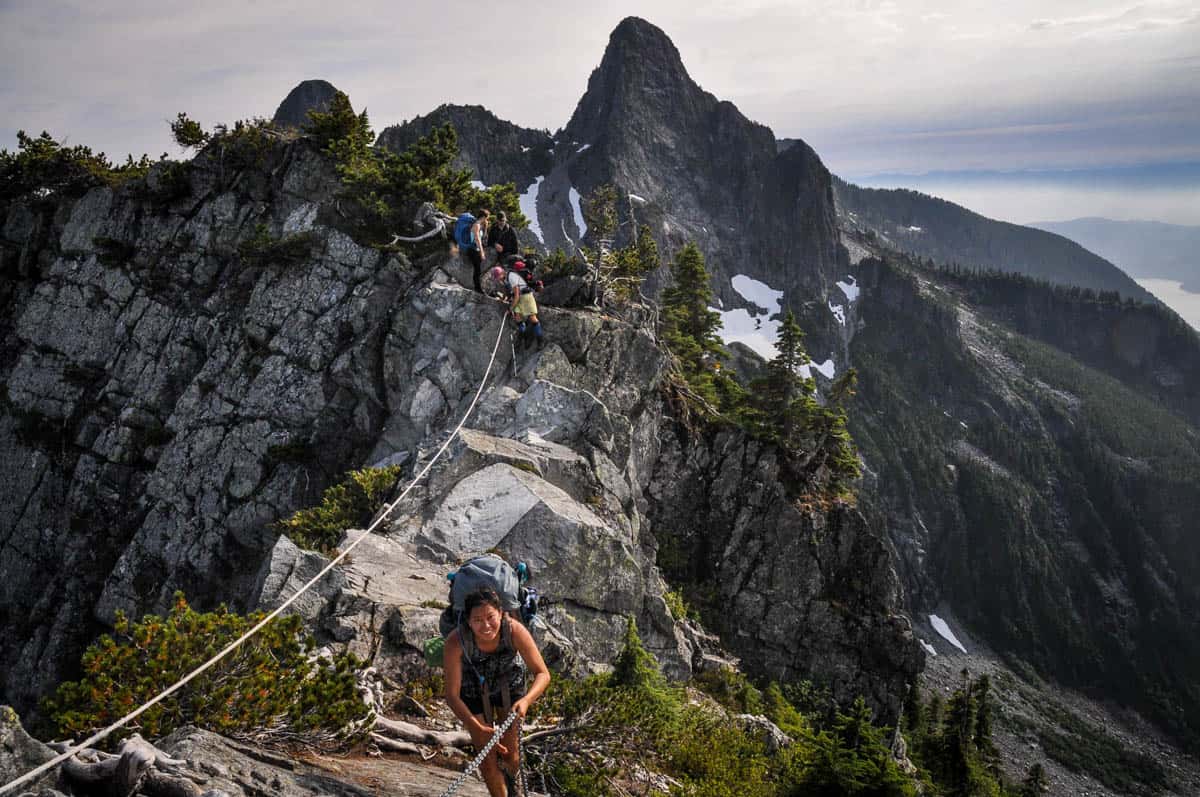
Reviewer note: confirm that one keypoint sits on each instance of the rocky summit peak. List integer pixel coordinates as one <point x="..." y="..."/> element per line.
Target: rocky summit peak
<point x="308" y="95"/>
<point x="641" y="67"/>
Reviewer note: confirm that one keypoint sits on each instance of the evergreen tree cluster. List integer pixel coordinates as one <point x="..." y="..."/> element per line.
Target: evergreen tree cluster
<point x="952" y="742"/>
<point x="43" y="167"/>
<point x="618" y="272"/>
<point x="781" y="406"/>
<point x="384" y="189"/>
<point x="270" y="689"/>
<point x="633" y="719"/>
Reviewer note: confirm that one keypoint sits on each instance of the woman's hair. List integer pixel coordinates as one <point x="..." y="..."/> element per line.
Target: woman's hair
<point x="484" y="596"/>
<point x="483" y="213"/>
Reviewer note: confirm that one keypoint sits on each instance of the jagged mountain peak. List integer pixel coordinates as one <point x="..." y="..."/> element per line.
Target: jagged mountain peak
<point x="308" y="95"/>
<point x="636" y="37"/>
<point x="641" y="70"/>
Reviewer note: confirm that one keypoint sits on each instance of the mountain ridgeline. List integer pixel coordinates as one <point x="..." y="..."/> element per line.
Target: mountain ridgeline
<point x="1144" y="249"/>
<point x="928" y="227"/>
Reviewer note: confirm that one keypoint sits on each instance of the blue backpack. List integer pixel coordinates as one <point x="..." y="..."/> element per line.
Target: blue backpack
<point x="462" y="231"/>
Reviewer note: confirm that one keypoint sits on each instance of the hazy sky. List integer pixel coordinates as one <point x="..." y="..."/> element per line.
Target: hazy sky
<point x="896" y="87"/>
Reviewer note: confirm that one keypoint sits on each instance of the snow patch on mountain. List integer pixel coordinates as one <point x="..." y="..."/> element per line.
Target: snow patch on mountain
<point x="580" y="224"/>
<point x="758" y="330"/>
<point x="528" y="202"/>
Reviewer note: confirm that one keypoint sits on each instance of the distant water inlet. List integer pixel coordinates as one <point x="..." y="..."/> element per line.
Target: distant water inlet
<point x="1186" y="303"/>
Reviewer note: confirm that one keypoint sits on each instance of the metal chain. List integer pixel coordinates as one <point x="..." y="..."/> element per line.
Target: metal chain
<point x="487" y="748"/>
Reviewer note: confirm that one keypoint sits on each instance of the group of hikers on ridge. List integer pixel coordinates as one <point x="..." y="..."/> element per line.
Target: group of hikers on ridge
<point x="512" y="278"/>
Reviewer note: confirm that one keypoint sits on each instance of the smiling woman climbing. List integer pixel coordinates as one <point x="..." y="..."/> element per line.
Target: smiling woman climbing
<point x="486" y="663"/>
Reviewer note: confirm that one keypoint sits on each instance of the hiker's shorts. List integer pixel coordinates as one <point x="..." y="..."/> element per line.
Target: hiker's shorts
<point x="526" y="306"/>
<point x="472" y="695"/>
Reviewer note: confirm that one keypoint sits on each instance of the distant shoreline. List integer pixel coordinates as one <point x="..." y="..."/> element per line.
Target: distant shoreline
<point x="1175" y="296"/>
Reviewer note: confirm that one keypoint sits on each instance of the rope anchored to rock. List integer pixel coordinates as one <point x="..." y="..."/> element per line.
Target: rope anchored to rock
<point x="388" y="508"/>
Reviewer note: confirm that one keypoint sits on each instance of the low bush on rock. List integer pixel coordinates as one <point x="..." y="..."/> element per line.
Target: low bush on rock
<point x="273" y="689"/>
<point x="43" y="167"/>
<point x="349" y="504"/>
<point x="632" y="727"/>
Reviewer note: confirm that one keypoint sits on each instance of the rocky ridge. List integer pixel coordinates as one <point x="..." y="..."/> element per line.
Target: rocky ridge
<point x="188" y="367"/>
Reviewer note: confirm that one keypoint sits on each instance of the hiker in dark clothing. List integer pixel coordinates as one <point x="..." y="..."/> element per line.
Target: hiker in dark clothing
<point x="502" y="238"/>
<point x="474" y="243"/>
<point x="486" y="659"/>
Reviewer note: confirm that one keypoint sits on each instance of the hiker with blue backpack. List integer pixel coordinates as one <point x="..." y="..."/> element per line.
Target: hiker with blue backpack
<point x="469" y="233"/>
<point x="486" y="658"/>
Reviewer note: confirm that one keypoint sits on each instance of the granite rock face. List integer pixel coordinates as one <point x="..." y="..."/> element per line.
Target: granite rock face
<point x="166" y="397"/>
<point x="803" y="591"/>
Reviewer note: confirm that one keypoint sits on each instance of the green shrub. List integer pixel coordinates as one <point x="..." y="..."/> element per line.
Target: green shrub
<point x="732" y="689"/>
<point x="676" y="605"/>
<point x="188" y="133"/>
<point x="246" y="144"/>
<point x="346" y="505"/>
<point x="264" y="249"/>
<point x="380" y="189"/>
<point x="339" y="123"/>
<point x="42" y="168"/>
<point x="267" y="690"/>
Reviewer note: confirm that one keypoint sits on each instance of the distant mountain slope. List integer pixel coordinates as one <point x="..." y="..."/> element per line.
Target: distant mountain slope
<point x="496" y="150"/>
<point x="926" y="226"/>
<point x="1144" y="249"/>
<point x="1042" y="490"/>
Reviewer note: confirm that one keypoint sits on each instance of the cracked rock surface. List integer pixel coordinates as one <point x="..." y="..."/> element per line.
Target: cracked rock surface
<point x="172" y="386"/>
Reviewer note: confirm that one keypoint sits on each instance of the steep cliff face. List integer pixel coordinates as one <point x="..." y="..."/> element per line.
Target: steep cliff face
<point x="166" y="396"/>
<point x="708" y="174"/>
<point x="193" y="356"/>
<point x="798" y="589"/>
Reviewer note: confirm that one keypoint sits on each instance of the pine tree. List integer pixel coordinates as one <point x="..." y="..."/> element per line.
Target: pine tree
<point x="689" y="327"/>
<point x="914" y="714"/>
<point x="339" y="123"/>
<point x="635" y="666"/>
<point x="1035" y="784"/>
<point x="983" y="717"/>
<point x="781" y="404"/>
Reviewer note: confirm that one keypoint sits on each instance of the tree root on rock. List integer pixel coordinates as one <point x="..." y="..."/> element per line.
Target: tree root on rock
<point x="138" y="766"/>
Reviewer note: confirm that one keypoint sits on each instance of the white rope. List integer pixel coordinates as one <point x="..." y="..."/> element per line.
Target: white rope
<point x="99" y="735"/>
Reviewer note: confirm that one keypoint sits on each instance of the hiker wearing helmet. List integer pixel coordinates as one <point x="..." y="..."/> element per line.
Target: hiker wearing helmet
<point x="523" y="305"/>
<point x="502" y="238"/>
<point x="486" y="661"/>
